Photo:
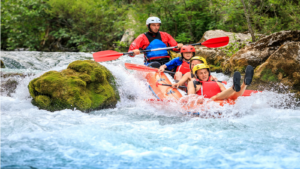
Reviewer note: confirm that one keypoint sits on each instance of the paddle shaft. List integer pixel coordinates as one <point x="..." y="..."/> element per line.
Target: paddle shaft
<point x="171" y="85"/>
<point x="167" y="48"/>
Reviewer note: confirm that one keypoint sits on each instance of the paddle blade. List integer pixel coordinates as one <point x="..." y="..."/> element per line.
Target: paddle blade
<point x="106" y="55"/>
<point x="216" y="42"/>
<point x="140" y="67"/>
<point x="224" y="82"/>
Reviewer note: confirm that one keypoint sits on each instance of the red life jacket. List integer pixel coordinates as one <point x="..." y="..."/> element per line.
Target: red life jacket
<point x="209" y="88"/>
<point x="184" y="67"/>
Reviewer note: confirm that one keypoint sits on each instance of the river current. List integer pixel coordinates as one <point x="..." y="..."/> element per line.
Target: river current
<point x="260" y="131"/>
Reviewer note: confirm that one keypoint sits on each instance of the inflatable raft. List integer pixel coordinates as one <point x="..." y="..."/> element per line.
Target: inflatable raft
<point x="167" y="93"/>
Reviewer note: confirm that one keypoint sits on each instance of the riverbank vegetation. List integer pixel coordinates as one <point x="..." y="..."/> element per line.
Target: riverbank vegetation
<point x="94" y="25"/>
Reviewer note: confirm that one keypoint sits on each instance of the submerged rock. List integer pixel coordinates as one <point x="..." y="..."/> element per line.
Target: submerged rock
<point x="84" y="85"/>
<point x="9" y="82"/>
<point x="2" y="64"/>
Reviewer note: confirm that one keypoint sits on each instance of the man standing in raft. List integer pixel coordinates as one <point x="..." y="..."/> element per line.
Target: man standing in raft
<point x="154" y="39"/>
<point x="182" y="64"/>
<point x="204" y="86"/>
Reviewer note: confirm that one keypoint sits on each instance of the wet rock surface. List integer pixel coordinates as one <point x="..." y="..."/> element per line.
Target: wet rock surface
<point x="84" y="85"/>
<point x="9" y="82"/>
<point x="257" y="53"/>
<point x="283" y="66"/>
<point x="2" y="64"/>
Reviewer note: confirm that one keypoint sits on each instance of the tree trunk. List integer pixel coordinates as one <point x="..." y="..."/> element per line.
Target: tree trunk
<point x="248" y="21"/>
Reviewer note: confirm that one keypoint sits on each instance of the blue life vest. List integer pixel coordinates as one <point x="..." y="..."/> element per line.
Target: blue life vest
<point x="156" y="43"/>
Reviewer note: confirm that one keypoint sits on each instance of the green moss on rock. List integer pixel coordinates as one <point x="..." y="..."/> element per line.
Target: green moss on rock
<point x="43" y="101"/>
<point x="84" y="85"/>
<point x="2" y="64"/>
<point x="215" y="68"/>
<point x="269" y="76"/>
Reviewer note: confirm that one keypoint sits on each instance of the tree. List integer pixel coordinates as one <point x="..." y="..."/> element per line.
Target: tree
<point x="248" y="21"/>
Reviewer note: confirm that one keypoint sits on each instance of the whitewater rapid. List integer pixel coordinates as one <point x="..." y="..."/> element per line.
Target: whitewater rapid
<point x="260" y="131"/>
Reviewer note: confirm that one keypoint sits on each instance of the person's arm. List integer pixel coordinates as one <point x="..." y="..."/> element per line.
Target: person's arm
<point x="168" y="65"/>
<point x="221" y="86"/>
<point x="214" y="78"/>
<point x="136" y="45"/>
<point x="173" y="63"/>
<point x="162" y="68"/>
<point x="184" y="79"/>
<point x="172" y="42"/>
<point x="191" y="88"/>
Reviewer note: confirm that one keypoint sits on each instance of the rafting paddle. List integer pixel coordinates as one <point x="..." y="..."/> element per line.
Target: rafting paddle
<point x="143" y="68"/>
<point x="168" y="85"/>
<point x="150" y="69"/>
<point x="109" y="55"/>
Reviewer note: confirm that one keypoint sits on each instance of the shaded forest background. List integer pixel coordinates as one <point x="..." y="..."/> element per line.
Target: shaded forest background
<point x="94" y="25"/>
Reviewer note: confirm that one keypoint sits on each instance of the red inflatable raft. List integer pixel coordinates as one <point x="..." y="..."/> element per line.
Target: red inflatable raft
<point x="167" y="93"/>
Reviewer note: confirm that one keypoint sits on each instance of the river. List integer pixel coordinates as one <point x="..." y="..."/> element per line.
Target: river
<point x="260" y="131"/>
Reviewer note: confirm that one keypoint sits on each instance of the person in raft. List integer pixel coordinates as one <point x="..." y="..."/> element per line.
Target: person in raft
<point x="189" y="75"/>
<point x="204" y="86"/>
<point x="182" y="63"/>
<point x="154" y="39"/>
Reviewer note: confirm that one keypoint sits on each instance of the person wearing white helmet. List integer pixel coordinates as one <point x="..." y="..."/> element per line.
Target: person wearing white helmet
<point x="151" y="40"/>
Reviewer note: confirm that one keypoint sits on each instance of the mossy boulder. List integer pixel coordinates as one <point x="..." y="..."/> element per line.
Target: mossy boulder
<point x="2" y="64"/>
<point x="84" y="85"/>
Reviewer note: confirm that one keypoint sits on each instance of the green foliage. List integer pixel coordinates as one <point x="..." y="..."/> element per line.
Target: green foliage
<point x="233" y="47"/>
<point x="183" y="38"/>
<point x="269" y="76"/>
<point x="89" y="25"/>
<point x="93" y="25"/>
<point x="120" y="46"/>
<point x="267" y="16"/>
<point x="23" y="23"/>
<point x="185" y="20"/>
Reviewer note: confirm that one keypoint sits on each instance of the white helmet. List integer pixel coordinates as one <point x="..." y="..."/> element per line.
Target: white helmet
<point x="153" y="19"/>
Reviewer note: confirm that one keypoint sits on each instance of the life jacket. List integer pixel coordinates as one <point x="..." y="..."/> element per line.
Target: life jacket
<point x="156" y="42"/>
<point x="209" y="88"/>
<point x="184" y="67"/>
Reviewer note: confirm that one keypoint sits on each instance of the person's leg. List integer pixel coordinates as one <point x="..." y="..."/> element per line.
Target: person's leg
<point x="235" y="95"/>
<point x="247" y="81"/>
<point x="178" y="75"/>
<point x="230" y="91"/>
<point x="237" y="90"/>
<point x="154" y="64"/>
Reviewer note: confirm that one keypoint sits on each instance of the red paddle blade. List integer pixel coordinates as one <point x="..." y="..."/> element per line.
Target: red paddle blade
<point x="216" y="42"/>
<point x="106" y="55"/>
<point x="140" y="67"/>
